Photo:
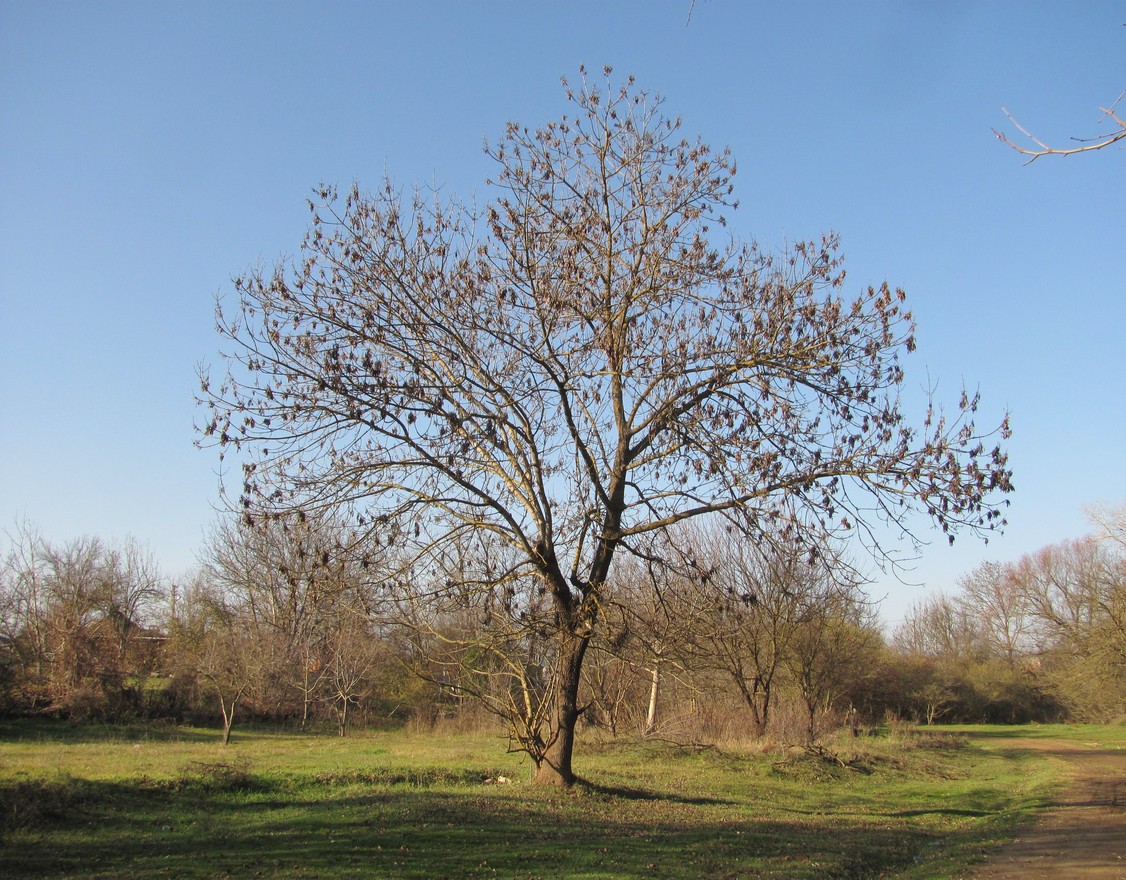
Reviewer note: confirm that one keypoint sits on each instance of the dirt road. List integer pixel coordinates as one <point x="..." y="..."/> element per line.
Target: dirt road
<point x="1082" y="836"/>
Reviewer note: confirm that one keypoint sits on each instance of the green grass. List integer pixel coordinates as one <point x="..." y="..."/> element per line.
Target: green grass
<point x="1107" y="735"/>
<point x="141" y="802"/>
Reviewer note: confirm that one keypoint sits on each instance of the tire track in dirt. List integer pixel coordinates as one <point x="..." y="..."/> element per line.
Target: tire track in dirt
<point x="1082" y="833"/>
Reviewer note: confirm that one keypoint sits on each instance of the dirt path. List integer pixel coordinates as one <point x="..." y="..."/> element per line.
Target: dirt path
<point x="1082" y="836"/>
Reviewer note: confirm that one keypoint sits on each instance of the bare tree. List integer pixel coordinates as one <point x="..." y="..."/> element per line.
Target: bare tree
<point x="1076" y="592"/>
<point x="835" y="643"/>
<point x="1083" y="145"/>
<point x="750" y="601"/>
<point x="614" y="686"/>
<point x="76" y="616"/>
<point x="938" y="642"/>
<point x="1067" y="586"/>
<point x="214" y="641"/>
<point x="352" y="656"/>
<point x="766" y="608"/>
<point x="481" y="626"/>
<point x="1111" y="525"/>
<point x="24" y="594"/>
<point x="577" y="367"/>
<point x="938" y="628"/>
<point x="296" y="578"/>
<point x="288" y="572"/>
<point x="993" y="598"/>
<point x="131" y="590"/>
<point x="1111" y="535"/>
<point x="649" y="622"/>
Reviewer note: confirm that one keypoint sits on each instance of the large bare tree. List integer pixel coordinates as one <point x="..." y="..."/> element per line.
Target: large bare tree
<point x="584" y="362"/>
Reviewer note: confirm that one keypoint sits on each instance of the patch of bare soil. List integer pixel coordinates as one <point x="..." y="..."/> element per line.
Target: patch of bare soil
<point x="1082" y="834"/>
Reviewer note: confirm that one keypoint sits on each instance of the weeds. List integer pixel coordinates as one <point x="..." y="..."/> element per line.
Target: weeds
<point x="217" y="776"/>
<point x="35" y="803"/>
<point x="413" y="777"/>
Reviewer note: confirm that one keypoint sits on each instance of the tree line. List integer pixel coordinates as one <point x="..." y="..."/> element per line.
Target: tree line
<point x="1042" y="637"/>
<point x="295" y="622"/>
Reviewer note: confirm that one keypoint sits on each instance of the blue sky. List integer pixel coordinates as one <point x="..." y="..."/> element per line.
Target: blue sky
<point x="151" y="151"/>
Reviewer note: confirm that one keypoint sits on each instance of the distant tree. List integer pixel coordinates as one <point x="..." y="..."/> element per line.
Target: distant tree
<point x="583" y="364"/>
<point x="1038" y="638"/>
<point x="77" y="620"/>
<point x="993" y="599"/>
<point x="751" y="600"/>
<point x="938" y="643"/>
<point x="615" y="685"/>
<point x="214" y="642"/>
<point x="935" y="696"/>
<point x="834" y="648"/>
<point x="352" y="655"/>
<point x="1076" y="592"/>
<point x="940" y="629"/>
<point x="650" y="621"/>
<point x="481" y="629"/>
<point x="1110" y="523"/>
<point x="294" y="577"/>
<point x="23" y="615"/>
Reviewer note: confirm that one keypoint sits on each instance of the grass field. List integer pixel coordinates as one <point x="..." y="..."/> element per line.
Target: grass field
<point x="112" y="802"/>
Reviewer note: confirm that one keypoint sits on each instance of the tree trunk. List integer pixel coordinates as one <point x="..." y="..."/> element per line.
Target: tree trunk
<point x="343" y="726"/>
<point x="764" y="711"/>
<point x="228" y="710"/>
<point x="228" y="722"/>
<point x="305" y="691"/>
<point x="555" y="768"/>
<point x="651" y="715"/>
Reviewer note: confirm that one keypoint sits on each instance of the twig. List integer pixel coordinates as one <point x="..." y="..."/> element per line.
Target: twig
<point x="1089" y="144"/>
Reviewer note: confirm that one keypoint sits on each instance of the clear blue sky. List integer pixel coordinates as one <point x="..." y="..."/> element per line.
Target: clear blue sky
<point x="151" y="151"/>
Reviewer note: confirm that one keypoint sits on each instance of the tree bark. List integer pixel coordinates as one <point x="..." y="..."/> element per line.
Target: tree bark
<point x="555" y="768"/>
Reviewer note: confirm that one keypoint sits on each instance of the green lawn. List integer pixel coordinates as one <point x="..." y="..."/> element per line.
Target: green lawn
<point x="172" y="802"/>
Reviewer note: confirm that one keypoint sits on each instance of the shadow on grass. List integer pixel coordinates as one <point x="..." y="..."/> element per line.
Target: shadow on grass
<point x="942" y="811"/>
<point x="116" y="830"/>
<point x="628" y="793"/>
<point x="1111" y="734"/>
<point x="52" y="730"/>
